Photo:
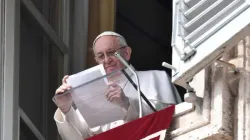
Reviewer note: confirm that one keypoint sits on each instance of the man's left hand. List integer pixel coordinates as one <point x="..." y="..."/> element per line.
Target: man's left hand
<point x="116" y="95"/>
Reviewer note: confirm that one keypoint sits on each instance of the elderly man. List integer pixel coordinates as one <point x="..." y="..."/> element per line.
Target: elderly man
<point x="155" y="85"/>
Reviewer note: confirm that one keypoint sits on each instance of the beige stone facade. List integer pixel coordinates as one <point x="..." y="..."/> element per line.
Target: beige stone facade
<point x="222" y="111"/>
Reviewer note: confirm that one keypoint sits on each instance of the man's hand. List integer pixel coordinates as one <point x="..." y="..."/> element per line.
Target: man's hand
<point x="116" y="95"/>
<point x="64" y="102"/>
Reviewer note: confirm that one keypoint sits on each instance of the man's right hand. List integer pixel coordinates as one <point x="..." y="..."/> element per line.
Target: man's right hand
<point x="64" y="102"/>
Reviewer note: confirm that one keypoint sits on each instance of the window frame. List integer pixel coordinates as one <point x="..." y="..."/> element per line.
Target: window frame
<point x="9" y="69"/>
<point x="210" y="49"/>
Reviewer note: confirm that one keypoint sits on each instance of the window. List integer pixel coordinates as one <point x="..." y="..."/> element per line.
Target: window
<point x="202" y="31"/>
<point x="43" y="61"/>
<point x="28" y="130"/>
<point x="25" y="132"/>
<point x="9" y="51"/>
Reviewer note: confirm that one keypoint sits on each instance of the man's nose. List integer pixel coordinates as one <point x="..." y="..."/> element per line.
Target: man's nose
<point x="107" y="59"/>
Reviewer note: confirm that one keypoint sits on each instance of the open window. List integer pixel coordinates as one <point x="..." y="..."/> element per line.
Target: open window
<point x="204" y="32"/>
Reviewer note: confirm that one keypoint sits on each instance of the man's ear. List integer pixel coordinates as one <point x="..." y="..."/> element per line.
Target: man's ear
<point x="127" y="53"/>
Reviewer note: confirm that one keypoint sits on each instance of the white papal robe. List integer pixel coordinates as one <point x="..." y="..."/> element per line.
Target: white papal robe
<point x="156" y="86"/>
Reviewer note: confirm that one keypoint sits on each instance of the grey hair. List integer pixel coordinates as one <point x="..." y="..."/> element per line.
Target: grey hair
<point x="120" y="38"/>
<point x="121" y="41"/>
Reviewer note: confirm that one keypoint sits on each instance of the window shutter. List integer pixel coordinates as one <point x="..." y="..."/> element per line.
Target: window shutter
<point x="203" y="30"/>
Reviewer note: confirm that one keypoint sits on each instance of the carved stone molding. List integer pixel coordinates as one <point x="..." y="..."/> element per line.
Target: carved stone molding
<point x="242" y="105"/>
<point x="225" y="111"/>
<point x="215" y="120"/>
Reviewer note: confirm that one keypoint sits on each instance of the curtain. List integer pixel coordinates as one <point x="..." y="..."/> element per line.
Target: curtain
<point x="101" y="18"/>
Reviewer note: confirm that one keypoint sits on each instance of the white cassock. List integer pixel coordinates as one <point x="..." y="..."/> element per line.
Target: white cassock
<point x="156" y="86"/>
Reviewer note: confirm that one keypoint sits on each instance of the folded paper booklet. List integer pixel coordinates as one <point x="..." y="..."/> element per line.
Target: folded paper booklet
<point x="88" y="93"/>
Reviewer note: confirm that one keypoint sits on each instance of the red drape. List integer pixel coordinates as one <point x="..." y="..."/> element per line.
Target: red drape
<point x="140" y="128"/>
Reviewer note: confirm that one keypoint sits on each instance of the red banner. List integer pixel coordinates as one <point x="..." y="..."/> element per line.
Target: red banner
<point x="140" y="128"/>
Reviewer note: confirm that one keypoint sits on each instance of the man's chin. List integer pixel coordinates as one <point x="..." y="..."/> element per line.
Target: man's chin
<point x="111" y="69"/>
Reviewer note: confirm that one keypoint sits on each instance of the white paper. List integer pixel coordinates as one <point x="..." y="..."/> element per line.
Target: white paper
<point x="90" y="99"/>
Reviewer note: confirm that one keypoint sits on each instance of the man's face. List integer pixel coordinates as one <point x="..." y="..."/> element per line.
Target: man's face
<point x="104" y="50"/>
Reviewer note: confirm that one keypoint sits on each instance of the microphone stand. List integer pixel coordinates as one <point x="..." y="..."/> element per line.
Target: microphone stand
<point x="142" y="95"/>
<point x="139" y="93"/>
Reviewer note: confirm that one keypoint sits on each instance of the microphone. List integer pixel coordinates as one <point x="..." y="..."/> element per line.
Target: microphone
<point x="139" y="93"/>
<point x="124" y="62"/>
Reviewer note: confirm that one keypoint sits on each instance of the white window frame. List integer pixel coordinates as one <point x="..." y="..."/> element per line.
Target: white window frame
<point x="9" y="69"/>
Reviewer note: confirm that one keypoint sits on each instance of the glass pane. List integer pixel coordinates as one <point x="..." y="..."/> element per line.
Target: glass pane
<point x="41" y="70"/>
<point x="31" y="60"/>
<point x="25" y="132"/>
<point x="39" y="4"/>
<point x="52" y="12"/>
<point x="55" y="15"/>
<point x="55" y="77"/>
<point x="56" y="65"/>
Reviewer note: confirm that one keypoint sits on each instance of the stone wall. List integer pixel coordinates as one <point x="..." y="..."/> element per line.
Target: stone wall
<point x="222" y="110"/>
